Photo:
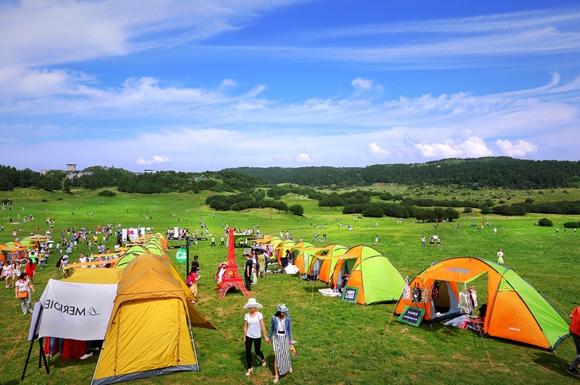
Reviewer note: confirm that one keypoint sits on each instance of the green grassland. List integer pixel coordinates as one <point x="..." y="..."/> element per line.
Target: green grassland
<point x="338" y="342"/>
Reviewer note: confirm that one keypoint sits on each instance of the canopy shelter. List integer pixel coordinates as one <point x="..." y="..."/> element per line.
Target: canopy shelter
<point x="515" y="309"/>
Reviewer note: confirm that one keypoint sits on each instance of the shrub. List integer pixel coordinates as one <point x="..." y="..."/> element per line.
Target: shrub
<point x="373" y="210"/>
<point x="44" y="200"/>
<point x="571" y="225"/>
<point x="545" y="222"/>
<point x="467" y="210"/>
<point x="107" y="193"/>
<point x="296" y="210"/>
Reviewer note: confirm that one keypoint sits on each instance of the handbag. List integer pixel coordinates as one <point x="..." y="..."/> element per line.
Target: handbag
<point x="22" y="294"/>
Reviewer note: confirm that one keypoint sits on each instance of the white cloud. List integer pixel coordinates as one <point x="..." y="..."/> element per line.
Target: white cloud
<point x="473" y="147"/>
<point x="156" y="159"/>
<point x="179" y="120"/>
<point x="362" y="84"/>
<point x="47" y="32"/>
<point x="303" y="158"/>
<point x="376" y="152"/>
<point x="520" y="149"/>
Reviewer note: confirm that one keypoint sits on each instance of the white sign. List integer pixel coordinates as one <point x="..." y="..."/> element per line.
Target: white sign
<point x="78" y="311"/>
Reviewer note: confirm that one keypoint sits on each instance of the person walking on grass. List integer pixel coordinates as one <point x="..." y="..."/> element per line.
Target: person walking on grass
<point x="500" y="255"/>
<point x="281" y="335"/>
<point x="253" y="329"/>
<point x="22" y="289"/>
<point x="248" y="269"/>
<point x="575" y="332"/>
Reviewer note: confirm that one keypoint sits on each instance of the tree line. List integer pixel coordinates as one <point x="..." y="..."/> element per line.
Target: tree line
<point x="494" y="172"/>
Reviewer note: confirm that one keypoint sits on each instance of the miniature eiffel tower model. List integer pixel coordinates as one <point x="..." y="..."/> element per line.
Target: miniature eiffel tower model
<point x="231" y="277"/>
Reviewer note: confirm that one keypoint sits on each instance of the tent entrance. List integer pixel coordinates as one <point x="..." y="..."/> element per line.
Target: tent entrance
<point x="443" y="303"/>
<point x="446" y="305"/>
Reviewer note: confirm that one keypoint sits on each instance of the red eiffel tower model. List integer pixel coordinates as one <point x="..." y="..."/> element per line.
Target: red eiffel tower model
<point x="231" y="277"/>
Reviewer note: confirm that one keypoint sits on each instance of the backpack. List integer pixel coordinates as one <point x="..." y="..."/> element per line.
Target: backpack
<point x="58" y="263"/>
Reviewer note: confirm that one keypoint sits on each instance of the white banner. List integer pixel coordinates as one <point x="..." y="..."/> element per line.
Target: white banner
<point x="78" y="311"/>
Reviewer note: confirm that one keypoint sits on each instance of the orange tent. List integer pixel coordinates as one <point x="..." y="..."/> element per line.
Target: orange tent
<point x="515" y="309"/>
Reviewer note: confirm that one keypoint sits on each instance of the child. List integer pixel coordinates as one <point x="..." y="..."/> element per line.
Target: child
<point x="7" y="273"/>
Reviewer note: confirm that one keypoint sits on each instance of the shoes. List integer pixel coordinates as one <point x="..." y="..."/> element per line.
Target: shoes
<point x="275" y="380"/>
<point x="249" y="371"/>
<point x="88" y="355"/>
<point x="573" y="372"/>
<point x="264" y="363"/>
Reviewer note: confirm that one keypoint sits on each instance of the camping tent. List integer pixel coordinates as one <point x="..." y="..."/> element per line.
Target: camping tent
<point x="280" y="250"/>
<point x="515" y="309"/>
<point x="324" y="261"/>
<point x="373" y="274"/>
<point x="303" y="253"/>
<point x="149" y="331"/>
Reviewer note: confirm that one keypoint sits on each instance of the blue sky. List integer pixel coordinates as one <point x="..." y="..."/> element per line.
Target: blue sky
<point x="204" y="85"/>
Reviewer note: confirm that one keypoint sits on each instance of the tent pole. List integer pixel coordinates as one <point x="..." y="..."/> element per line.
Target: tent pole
<point x="391" y="317"/>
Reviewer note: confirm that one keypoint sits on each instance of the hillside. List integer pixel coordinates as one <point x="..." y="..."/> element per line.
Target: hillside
<point x="498" y="172"/>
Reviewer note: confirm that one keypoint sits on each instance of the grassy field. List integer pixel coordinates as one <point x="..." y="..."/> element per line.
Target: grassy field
<point x="338" y="342"/>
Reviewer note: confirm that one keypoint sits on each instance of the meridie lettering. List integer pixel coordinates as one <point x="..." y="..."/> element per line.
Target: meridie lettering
<point x="65" y="309"/>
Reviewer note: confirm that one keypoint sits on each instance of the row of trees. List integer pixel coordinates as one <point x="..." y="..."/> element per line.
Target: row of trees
<point x="378" y="210"/>
<point x="466" y="173"/>
<point x="126" y="181"/>
<point x="562" y="207"/>
<point x="499" y="172"/>
<point x="239" y="202"/>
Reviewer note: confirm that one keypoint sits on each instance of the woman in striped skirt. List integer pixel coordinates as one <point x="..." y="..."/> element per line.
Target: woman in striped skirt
<point x="281" y="336"/>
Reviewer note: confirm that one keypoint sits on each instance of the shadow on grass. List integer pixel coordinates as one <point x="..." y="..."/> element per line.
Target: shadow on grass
<point x="257" y="362"/>
<point x="552" y="362"/>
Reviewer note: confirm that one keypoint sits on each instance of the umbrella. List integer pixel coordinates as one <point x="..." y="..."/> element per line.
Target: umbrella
<point x="263" y="248"/>
<point x="37" y="237"/>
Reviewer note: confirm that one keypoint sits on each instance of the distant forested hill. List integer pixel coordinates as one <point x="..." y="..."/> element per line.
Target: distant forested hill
<point x="470" y="173"/>
<point x="465" y="173"/>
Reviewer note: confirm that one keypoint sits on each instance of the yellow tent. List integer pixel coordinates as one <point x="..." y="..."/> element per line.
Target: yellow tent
<point x="149" y="331"/>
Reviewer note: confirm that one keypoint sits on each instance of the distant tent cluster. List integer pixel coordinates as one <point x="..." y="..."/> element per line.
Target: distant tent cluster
<point x="515" y="310"/>
<point x="364" y="268"/>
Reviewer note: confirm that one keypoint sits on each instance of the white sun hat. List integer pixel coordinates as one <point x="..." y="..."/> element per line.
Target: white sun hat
<point x="252" y="303"/>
